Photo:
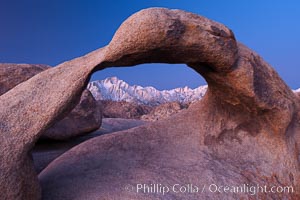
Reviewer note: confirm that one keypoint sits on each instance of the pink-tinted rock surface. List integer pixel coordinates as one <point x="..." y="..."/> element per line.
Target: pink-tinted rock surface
<point x="27" y="111"/>
<point x="84" y="118"/>
<point x="13" y="74"/>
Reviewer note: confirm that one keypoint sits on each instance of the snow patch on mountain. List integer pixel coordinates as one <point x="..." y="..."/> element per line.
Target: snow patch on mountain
<point x="297" y="90"/>
<point x="115" y="89"/>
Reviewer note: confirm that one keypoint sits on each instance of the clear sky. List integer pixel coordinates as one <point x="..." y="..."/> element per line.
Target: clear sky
<point x="50" y="32"/>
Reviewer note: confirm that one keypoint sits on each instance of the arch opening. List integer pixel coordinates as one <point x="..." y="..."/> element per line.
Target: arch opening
<point x="159" y="75"/>
<point x="148" y="92"/>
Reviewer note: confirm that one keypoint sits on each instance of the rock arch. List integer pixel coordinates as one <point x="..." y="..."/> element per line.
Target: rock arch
<point x="247" y="109"/>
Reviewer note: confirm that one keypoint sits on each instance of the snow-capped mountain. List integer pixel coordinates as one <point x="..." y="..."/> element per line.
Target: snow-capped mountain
<point x="118" y="90"/>
<point x="297" y="90"/>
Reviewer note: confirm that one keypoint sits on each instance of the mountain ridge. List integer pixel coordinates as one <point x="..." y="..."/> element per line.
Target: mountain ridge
<point x="115" y="89"/>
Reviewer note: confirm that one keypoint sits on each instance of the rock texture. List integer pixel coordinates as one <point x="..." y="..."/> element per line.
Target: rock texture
<point x="13" y="74"/>
<point x="164" y="111"/>
<point x="244" y="131"/>
<point x="123" y="109"/>
<point x="84" y="118"/>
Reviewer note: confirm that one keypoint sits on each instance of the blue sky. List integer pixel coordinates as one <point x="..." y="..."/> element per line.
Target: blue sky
<point x="50" y="32"/>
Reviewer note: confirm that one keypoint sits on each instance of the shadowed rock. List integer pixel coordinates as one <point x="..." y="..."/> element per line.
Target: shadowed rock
<point x="84" y="118"/>
<point x="45" y="152"/>
<point x="243" y="131"/>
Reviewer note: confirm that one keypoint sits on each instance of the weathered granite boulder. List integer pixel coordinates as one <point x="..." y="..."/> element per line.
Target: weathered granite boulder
<point x="13" y="74"/>
<point x="244" y="131"/>
<point x="84" y="118"/>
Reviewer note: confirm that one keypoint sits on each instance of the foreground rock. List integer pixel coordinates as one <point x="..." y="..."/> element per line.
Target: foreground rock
<point x="244" y="131"/>
<point x="85" y="118"/>
<point x="27" y="111"/>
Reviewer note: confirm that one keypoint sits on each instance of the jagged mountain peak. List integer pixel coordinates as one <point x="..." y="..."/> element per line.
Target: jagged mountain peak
<point x="115" y="89"/>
